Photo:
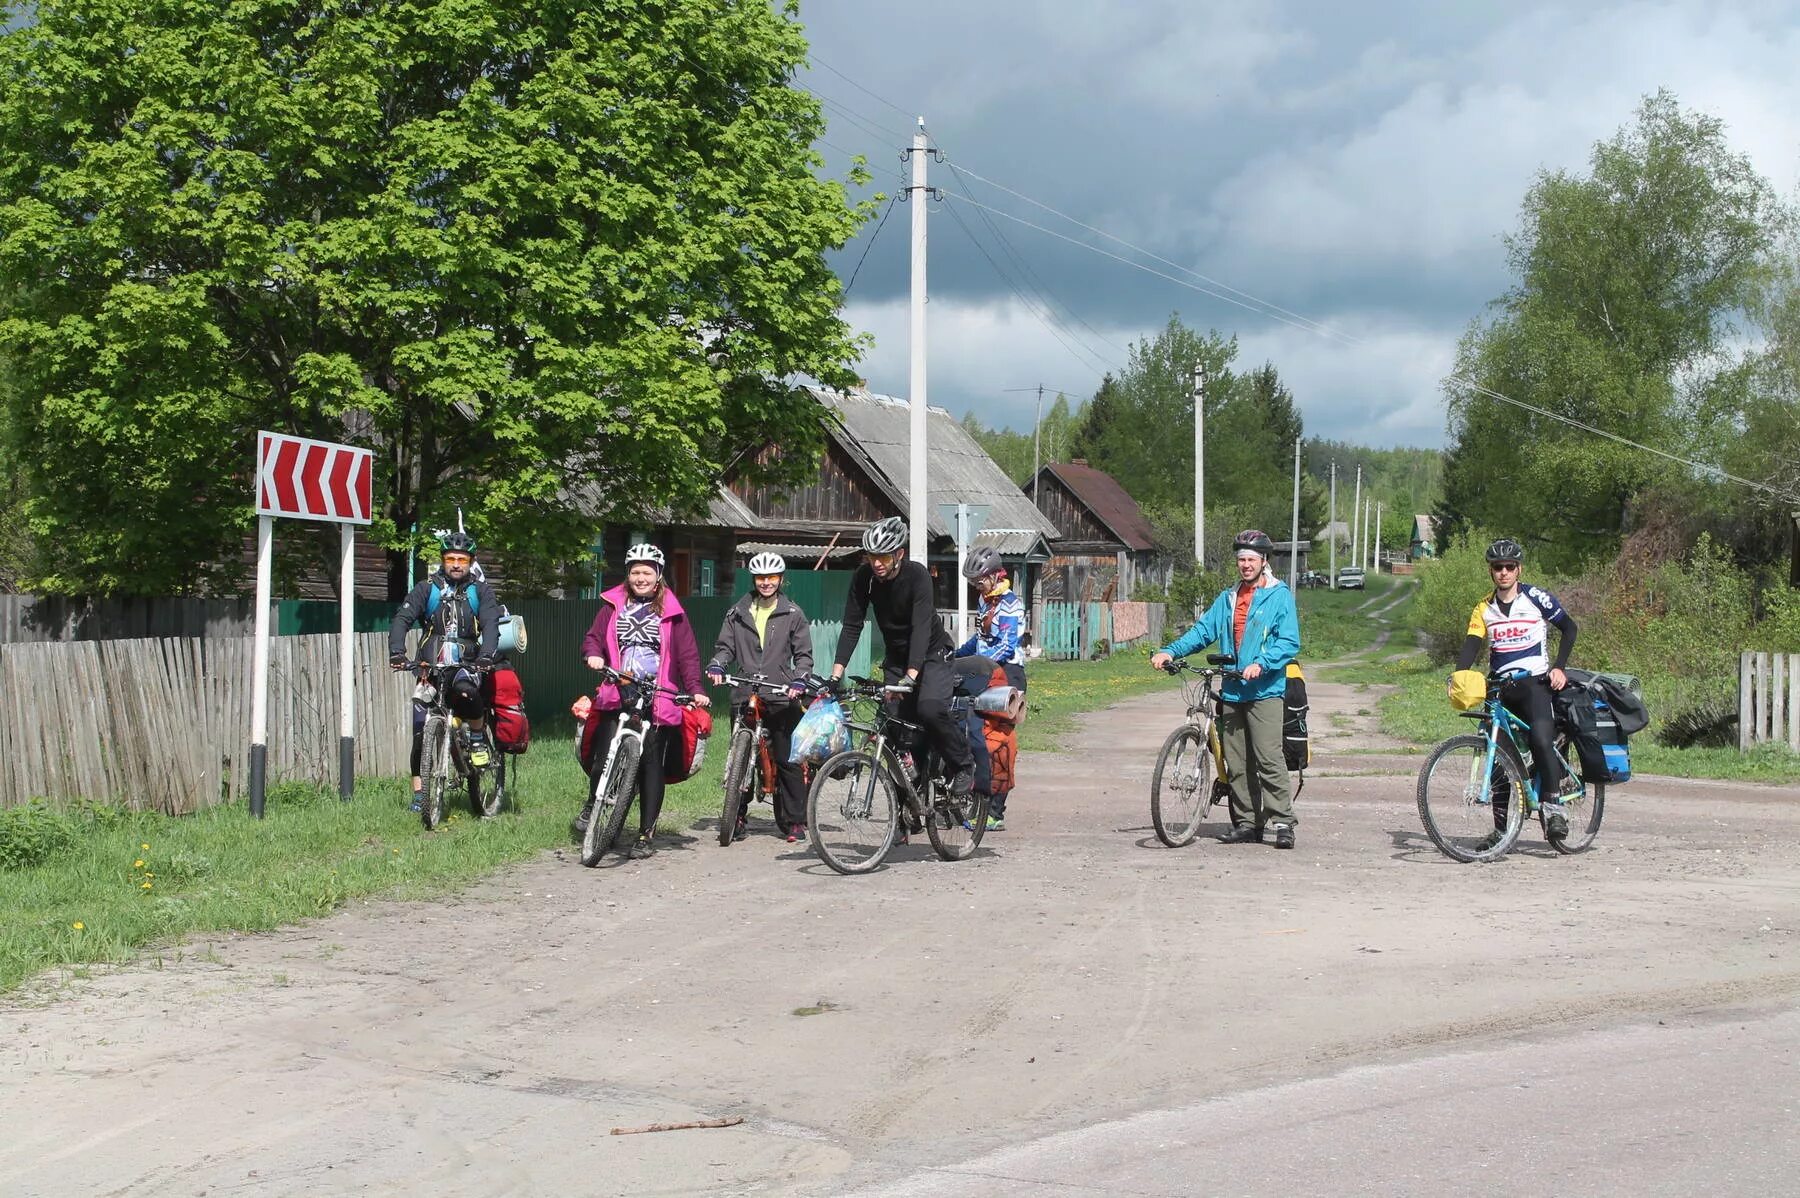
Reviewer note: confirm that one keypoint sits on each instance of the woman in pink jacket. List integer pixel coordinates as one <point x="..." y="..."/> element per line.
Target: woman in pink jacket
<point x="641" y="629"/>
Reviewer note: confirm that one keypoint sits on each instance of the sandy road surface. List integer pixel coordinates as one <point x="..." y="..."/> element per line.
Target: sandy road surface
<point x="1077" y="972"/>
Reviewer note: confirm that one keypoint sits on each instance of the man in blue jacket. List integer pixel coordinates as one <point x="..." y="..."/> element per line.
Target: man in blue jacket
<point x="1255" y="621"/>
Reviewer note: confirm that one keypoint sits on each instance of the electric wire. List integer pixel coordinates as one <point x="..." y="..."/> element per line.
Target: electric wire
<point x="870" y="244"/>
<point x="853" y="82"/>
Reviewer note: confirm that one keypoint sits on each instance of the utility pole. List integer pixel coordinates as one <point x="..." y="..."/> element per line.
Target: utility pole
<point x="1037" y="434"/>
<point x="1294" y="536"/>
<point x="1375" y="557"/>
<point x="1199" y="467"/>
<point x="1356" y="521"/>
<point x="917" y="194"/>
<point x="1331" y="526"/>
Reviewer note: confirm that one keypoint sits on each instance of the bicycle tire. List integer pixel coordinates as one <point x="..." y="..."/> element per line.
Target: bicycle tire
<point x="955" y="829"/>
<point x="852" y="812"/>
<point x="1585" y="810"/>
<point x="1177" y="818"/>
<point x="612" y="799"/>
<point x="1458" y="811"/>
<point x="484" y="800"/>
<point x="434" y="764"/>
<point x="738" y="777"/>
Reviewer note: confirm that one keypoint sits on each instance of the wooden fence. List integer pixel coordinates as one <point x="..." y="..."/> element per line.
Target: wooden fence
<point x="1769" y="699"/>
<point x="165" y="724"/>
<point x="1071" y="631"/>
<point x="75" y="618"/>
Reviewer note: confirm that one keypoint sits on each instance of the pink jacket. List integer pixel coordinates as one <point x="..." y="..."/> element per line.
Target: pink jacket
<point x="680" y="658"/>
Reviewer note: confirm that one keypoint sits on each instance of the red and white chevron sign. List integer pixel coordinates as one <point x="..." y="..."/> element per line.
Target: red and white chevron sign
<point x="313" y="480"/>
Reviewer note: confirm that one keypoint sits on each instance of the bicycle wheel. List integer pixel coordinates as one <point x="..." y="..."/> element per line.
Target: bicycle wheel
<point x="851" y="812"/>
<point x="739" y="777"/>
<point x="1584" y="808"/>
<point x="484" y="789"/>
<point x="434" y="766"/>
<point x="1181" y="787"/>
<point x="1457" y="799"/>
<point x="955" y="828"/>
<point x="612" y="799"/>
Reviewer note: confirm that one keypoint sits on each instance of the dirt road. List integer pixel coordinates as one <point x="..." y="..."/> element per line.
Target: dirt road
<point x="870" y="1028"/>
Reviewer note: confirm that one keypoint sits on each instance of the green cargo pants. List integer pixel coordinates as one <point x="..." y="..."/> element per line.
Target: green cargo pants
<point x="1260" y="791"/>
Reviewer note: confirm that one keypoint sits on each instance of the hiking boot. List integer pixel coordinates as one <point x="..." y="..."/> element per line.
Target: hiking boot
<point x="1284" y="835"/>
<point x="479" y="753"/>
<point x="418" y="803"/>
<point x="962" y="782"/>
<point x="1242" y="834"/>
<point x="1556" y="820"/>
<point x="579" y="825"/>
<point x="642" y="848"/>
<point x="1489" y="841"/>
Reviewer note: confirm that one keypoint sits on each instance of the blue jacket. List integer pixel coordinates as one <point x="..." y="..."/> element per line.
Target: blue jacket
<point x="1271" y="640"/>
<point x="997" y="630"/>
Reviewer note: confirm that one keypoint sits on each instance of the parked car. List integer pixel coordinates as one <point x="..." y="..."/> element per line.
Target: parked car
<point x="1350" y="578"/>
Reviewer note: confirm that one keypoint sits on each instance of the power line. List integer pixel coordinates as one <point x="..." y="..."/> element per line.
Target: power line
<point x="892" y="200"/>
<point x="859" y="87"/>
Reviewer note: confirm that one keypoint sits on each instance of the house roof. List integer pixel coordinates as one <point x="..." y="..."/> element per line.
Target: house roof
<point x="1337" y="528"/>
<point x="1102" y="495"/>
<point x="1424" y="529"/>
<point x="877" y="431"/>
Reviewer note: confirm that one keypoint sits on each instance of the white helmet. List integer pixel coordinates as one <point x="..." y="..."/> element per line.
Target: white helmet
<point x="767" y="563"/>
<point x="885" y="536"/>
<point x="646" y="553"/>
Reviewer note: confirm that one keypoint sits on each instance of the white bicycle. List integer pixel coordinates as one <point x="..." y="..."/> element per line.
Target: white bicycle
<point x="615" y="783"/>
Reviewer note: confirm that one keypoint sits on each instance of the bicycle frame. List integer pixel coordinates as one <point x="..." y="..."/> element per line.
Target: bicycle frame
<point x="1495" y="718"/>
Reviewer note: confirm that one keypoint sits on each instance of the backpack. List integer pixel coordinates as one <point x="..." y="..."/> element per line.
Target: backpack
<point x="1296" y="747"/>
<point x="684" y="746"/>
<point x="506" y="700"/>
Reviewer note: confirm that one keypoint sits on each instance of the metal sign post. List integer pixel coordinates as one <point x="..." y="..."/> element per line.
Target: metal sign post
<point x="303" y="479"/>
<point x="965" y="520"/>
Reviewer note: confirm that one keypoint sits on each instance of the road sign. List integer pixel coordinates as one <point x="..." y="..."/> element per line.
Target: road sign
<point x="974" y="516"/>
<point x="304" y="479"/>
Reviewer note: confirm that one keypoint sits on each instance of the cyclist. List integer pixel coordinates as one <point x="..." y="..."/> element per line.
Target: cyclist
<point x="998" y="621"/>
<point x="1513" y="623"/>
<point x="641" y="630"/>
<point x="766" y="633"/>
<point x="1257" y="623"/>
<point x="453" y="606"/>
<point x="918" y="649"/>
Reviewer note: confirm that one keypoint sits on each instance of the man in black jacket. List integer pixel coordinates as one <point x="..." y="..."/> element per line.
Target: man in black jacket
<point x="918" y="648"/>
<point x="451" y="606"/>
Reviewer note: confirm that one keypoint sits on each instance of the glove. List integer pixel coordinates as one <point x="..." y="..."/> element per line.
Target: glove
<point x="796" y="689"/>
<point x="835" y="686"/>
<point x="398" y="661"/>
<point x="715" y="676"/>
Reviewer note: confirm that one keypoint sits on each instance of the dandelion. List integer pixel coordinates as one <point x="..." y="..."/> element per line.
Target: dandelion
<point x="138" y="864"/>
<point x="145" y="886"/>
<point x="145" y="847"/>
<point x="79" y="926"/>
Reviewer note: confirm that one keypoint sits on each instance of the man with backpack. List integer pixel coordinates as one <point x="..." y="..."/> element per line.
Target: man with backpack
<point x="451" y="608"/>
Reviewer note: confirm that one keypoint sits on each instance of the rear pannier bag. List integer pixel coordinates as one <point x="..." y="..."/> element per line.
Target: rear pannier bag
<point x="1296" y="747"/>
<point x="684" y="745"/>
<point x="1594" y="733"/>
<point x="506" y="700"/>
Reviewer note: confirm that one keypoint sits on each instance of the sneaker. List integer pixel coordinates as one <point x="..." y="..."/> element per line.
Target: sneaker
<point x="963" y="781"/>
<point x="797" y="833"/>
<point x="579" y="825"/>
<point x="1556" y="820"/>
<point x="742" y="830"/>
<point x="1242" y="834"/>
<point x="642" y="848"/>
<point x="1284" y="835"/>
<point x="996" y="824"/>
<point x="1492" y="839"/>
<point x="418" y="803"/>
<point x="479" y="754"/>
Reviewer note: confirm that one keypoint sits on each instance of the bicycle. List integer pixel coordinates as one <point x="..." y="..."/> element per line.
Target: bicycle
<point x="441" y="751"/>
<point x="750" y="764"/>
<point x="1196" y="775"/>
<point x="854" y="805"/>
<point x="1464" y="777"/>
<point x="615" y="783"/>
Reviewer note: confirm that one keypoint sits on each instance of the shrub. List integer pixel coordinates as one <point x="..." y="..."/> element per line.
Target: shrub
<point x="33" y="834"/>
<point x="1449" y="587"/>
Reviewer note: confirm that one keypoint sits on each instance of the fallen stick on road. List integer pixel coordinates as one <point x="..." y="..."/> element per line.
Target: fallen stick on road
<point x="732" y="1121"/>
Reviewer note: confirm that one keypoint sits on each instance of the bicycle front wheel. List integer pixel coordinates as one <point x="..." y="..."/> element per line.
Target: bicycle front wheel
<point x="485" y="789"/>
<point x="434" y="766"/>
<point x="612" y="799"/>
<point x="1471" y="811"/>
<point x="1584" y="809"/>
<point x="851" y="812"/>
<point x="1180" y="788"/>
<point x="738" y="778"/>
<point x="955" y="826"/>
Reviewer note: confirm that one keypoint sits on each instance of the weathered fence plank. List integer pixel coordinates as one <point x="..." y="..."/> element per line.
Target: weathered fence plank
<point x="1768" y="699"/>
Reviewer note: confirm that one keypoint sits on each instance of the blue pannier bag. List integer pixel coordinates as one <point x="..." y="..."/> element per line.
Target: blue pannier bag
<point x="1614" y="751"/>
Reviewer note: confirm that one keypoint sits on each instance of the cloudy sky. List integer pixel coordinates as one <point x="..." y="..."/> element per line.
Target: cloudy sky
<point x="1353" y="165"/>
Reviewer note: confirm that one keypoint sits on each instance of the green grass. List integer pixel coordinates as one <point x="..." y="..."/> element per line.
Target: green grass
<point x="1417" y="711"/>
<point x="1332" y="628"/>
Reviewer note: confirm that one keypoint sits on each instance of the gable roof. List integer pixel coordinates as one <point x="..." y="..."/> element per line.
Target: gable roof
<point x="877" y="431"/>
<point x="1102" y="495"/>
<point x="1424" y="529"/>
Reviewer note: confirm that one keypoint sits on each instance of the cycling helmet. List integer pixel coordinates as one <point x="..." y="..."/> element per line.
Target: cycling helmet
<point x="1506" y="550"/>
<point x="645" y="553"/>
<point x="1255" y="540"/>
<point x="885" y="536"/>
<point x="767" y="563"/>
<point x="456" y="542"/>
<point x="983" y="560"/>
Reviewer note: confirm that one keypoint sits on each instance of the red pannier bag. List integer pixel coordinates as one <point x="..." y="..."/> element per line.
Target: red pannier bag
<point x="684" y="747"/>
<point x="506" y="701"/>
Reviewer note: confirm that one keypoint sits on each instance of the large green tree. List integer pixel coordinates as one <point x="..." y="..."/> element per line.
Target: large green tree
<point x="546" y="257"/>
<point x="1631" y="281"/>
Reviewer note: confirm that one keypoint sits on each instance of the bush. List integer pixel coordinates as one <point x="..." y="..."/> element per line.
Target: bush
<point x="1449" y="587"/>
<point x="33" y="834"/>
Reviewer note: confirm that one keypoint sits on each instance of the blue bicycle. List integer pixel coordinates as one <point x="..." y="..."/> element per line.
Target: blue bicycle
<point x="1468" y="783"/>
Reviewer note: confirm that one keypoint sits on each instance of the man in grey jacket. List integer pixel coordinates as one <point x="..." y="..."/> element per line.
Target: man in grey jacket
<point x="766" y="633"/>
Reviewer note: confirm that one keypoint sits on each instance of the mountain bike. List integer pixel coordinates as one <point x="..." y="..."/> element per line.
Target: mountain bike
<point x="751" y="771"/>
<point x="1191" y="778"/>
<point x="858" y="797"/>
<point x="1465" y="777"/>
<point x="614" y="784"/>
<point x="443" y="757"/>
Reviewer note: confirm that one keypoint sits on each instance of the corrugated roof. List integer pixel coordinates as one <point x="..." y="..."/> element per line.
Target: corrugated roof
<point x="1102" y="495"/>
<point x="1424" y="529"/>
<point x="878" y="430"/>
<point x="798" y="552"/>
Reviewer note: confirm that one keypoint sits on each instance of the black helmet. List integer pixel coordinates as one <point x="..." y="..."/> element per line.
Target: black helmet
<point x="1254" y="540"/>
<point x="885" y="536"/>
<point x="1506" y="550"/>
<point x="983" y="559"/>
<point x="457" y="542"/>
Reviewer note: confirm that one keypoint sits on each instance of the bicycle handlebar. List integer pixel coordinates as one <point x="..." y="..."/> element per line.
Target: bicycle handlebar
<point x="1216" y="669"/>
<point x="608" y="674"/>
<point x="761" y="682"/>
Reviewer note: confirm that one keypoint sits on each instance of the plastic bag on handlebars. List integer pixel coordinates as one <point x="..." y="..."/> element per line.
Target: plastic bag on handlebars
<point x="822" y="731"/>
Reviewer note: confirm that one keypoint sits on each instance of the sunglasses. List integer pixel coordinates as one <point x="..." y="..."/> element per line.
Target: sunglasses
<point x="880" y="559"/>
<point x="457" y="559"/>
<point x="1496" y="567"/>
